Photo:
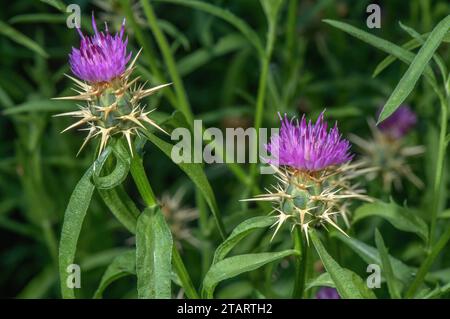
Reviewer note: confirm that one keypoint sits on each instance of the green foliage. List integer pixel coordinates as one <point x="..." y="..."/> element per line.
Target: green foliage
<point x="348" y="284"/>
<point x="231" y="64"/>
<point x="153" y="255"/>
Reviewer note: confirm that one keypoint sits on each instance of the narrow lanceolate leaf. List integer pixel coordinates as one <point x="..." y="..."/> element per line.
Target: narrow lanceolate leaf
<point x="371" y="256"/>
<point x="236" y="265"/>
<point x="400" y="217"/>
<point x="240" y="232"/>
<point x="388" y="273"/>
<point x="73" y="221"/>
<point x="409" y="79"/>
<point x="391" y="48"/>
<point x="153" y="255"/>
<point x="122" y="207"/>
<point x="198" y="177"/>
<point x="118" y="174"/>
<point x="348" y="284"/>
<point x="40" y="106"/>
<point x="323" y="280"/>
<point x="123" y="265"/>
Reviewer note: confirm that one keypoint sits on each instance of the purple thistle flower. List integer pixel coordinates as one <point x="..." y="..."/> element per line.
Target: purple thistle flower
<point x="101" y="57"/>
<point x="308" y="147"/>
<point x="399" y="123"/>
<point x="327" y="293"/>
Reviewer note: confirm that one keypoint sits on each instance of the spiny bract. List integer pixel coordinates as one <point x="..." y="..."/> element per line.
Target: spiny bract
<point x="112" y="99"/>
<point x="314" y="177"/>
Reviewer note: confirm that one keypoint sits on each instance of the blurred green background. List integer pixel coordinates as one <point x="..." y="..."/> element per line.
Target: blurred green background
<point x="313" y="66"/>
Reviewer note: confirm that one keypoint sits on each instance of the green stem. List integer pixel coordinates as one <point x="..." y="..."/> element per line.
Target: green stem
<point x="147" y="50"/>
<point x="423" y="270"/>
<point x="169" y="60"/>
<point x="300" y="264"/>
<point x="183" y="101"/>
<point x="50" y="240"/>
<point x="182" y="273"/>
<point x="141" y="181"/>
<point x="439" y="167"/>
<point x="291" y="24"/>
<point x="425" y="267"/>
<point x="262" y="86"/>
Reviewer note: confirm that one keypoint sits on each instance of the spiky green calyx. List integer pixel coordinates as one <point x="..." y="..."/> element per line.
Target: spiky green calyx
<point x="112" y="108"/>
<point x="314" y="199"/>
<point x="387" y="158"/>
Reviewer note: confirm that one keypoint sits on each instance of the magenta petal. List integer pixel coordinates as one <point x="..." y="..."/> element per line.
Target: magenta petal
<point x="307" y="146"/>
<point x="101" y="57"/>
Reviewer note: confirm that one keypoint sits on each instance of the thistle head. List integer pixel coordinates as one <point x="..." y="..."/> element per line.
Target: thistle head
<point x="112" y="101"/>
<point x="101" y="57"/>
<point x="386" y="154"/>
<point x="307" y="146"/>
<point x="399" y="123"/>
<point x="314" y="177"/>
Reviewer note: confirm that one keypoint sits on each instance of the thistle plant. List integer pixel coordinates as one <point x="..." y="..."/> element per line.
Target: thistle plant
<point x="118" y="223"/>
<point x="314" y="172"/>
<point x="386" y="152"/>
<point x="112" y="99"/>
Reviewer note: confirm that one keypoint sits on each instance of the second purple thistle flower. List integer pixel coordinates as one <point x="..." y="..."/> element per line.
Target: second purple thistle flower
<point x="101" y="57"/>
<point x="314" y="174"/>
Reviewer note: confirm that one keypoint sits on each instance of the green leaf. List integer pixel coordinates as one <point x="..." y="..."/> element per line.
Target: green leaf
<point x="197" y="175"/>
<point x="153" y="255"/>
<point x="122" y="207"/>
<point x="58" y="4"/>
<point x="381" y="44"/>
<point x="421" y="39"/>
<point x="38" y="287"/>
<point x="410" y="45"/>
<point x="240" y="232"/>
<point x="400" y="217"/>
<point x="228" y="43"/>
<point x="226" y="15"/>
<point x="236" y="265"/>
<point x="445" y="214"/>
<point x="271" y="8"/>
<point x="409" y="79"/>
<point x="348" y="284"/>
<point x="371" y="256"/>
<point x="73" y="221"/>
<point x="392" y="282"/>
<point x="38" y="18"/>
<point x="39" y="107"/>
<point x="323" y="280"/>
<point x="123" y="265"/>
<point x="120" y="172"/>
<point x="21" y="38"/>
